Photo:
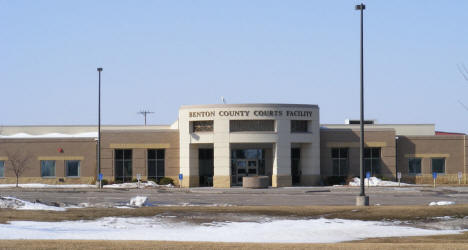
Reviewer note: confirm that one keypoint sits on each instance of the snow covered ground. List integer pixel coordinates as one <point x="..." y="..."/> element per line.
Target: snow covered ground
<point x="40" y="185"/>
<point x="163" y="228"/>
<point x="50" y="135"/>
<point x="135" y="185"/>
<point x="18" y="204"/>
<point x="14" y="203"/>
<point x="374" y="182"/>
<point x="146" y="184"/>
<point x="441" y="203"/>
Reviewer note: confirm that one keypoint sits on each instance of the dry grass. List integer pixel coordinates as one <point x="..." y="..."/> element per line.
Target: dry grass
<point x="351" y="212"/>
<point x="86" y="244"/>
<point x="459" y="241"/>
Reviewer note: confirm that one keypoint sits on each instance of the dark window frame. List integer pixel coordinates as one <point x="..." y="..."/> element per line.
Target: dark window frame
<point x="67" y="171"/>
<point x="159" y="161"/>
<point x="2" y="166"/>
<point x="300" y="126"/>
<point x="340" y="156"/>
<point x="43" y="162"/>
<point x="443" y="166"/>
<point x="373" y="155"/>
<point x="410" y="168"/>
<point x="252" y="126"/>
<point x="202" y="126"/>
<point x="123" y="160"/>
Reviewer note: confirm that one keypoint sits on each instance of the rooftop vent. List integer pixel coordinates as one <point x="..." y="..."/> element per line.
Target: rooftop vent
<point x="348" y="121"/>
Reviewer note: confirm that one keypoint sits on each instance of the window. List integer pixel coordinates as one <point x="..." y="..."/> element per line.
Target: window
<point x="123" y="165"/>
<point x="299" y="126"/>
<point x="156" y="163"/>
<point x="414" y="166"/>
<point x="340" y="161"/>
<point x="47" y="168"/>
<point x="2" y="169"/>
<point x="372" y="160"/>
<point x="252" y="125"/>
<point x="202" y="126"/>
<point x="438" y="165"/>
<point x="72" y="168"/>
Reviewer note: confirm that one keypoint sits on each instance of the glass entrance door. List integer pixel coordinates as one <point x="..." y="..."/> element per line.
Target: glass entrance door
<point x="241" y="168"/>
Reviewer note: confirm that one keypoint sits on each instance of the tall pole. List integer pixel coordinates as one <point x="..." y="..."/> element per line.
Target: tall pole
<point x="361" y="153"/>
<point x="99" y="127"/>
<point x="145" y="113"/>
<point x="364" y="200"/>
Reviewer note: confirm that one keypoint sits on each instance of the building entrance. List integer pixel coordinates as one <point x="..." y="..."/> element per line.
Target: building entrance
<point x="246" y="162"/>
<point x="205" y="167"/>
<point x="243" y="168"/>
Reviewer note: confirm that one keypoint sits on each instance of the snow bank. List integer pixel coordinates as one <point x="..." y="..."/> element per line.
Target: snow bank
<point x="374" y="181"/>
<point x="40" y="185"/>
<point x="51" y="135"/>
<point x="441" y="203"/>
<point x="135" y="185"/>
<point x="14" y="203"/>
<point x="165" y="229"/>
<point x="138" y="201"/>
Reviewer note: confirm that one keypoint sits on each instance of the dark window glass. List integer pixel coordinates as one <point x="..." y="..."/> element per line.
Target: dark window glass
<point x="340" y="161"/>
<point x="375" y="152"/>
<point x="127" y="154"/>
<point x="118" y="154"/>
<point x="48" y="168"/>
<point x="414" y="166"/>
<point x="367" y="152"/>
<point x="335" y="153"/>
<point x="296" y="153"/>
<point x="156" y="164"/>
<point x="123" y="164"/>
<point x="202" y="126"/>
<point x="151" y="154"/>
<point x="343" y="153"/>
<point x="252" y="125"/>
<point x="2" y="169"/>
<point x="72" y="168"/>
<point x="438" y="165"/>
<point x="372" y="161"/>
<point x="299" y="126"/>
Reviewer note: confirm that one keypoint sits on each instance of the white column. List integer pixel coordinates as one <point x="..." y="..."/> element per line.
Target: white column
<point x="282" y="155"/>
<point x="221" y="155"/>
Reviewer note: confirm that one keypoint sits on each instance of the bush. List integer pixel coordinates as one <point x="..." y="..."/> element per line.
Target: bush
<point x="165" y="181"/>
<point x="104" y="182"/>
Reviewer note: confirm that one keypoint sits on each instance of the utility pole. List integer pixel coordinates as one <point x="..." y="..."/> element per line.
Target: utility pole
<point x="145" y="113"/>
<point x="99" y="128"/>
<point x="362" y="199"/>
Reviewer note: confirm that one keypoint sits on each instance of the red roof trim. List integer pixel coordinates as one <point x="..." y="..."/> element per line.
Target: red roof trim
<point x="447" y="133"/>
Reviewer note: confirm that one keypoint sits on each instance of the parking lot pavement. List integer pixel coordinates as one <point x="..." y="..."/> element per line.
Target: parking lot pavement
<point x="290" y="196"/>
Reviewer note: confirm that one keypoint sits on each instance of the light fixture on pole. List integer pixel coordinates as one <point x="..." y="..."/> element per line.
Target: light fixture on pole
<point x="99" y="128"/>
<point x="362" y="199"/>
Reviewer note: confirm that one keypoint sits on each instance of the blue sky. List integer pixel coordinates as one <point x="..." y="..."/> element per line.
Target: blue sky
<point x="158" y="55"/>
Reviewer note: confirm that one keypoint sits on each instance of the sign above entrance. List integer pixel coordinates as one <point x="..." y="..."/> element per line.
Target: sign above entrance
<point x="247" y="113"/>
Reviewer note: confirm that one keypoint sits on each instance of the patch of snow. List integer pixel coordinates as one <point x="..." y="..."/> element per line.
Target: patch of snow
<point x="138" y="201"/>
<point x="441" y="203"/>
<point x="145" y="184"/>
<point x="374" y="182"/>
<point x="14" y="203"/>
<point x="167" y="229"/>
<point x="50" y="135"/>
<point x="40" y="185"/>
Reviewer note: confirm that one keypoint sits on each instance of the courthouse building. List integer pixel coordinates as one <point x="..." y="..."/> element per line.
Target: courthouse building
<point x="218" y="145"/>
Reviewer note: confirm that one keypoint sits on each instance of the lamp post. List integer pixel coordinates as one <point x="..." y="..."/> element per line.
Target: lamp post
<point x="362" y="199"/>
<point x="99" y="128"/>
